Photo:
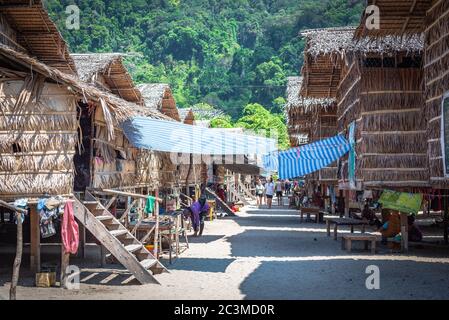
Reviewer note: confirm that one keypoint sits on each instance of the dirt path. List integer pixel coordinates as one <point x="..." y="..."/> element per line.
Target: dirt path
<point x="268" y="254"/>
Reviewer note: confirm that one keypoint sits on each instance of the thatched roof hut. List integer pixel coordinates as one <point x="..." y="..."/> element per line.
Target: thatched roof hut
<point x="26" y="27"/>
<point x="187" y="116"/>
<point x="396" y="18"/>
<point x="107" y="72"/>
<point x="158" y="96"/>
<point x="300" y="110"/>
<point x="298" y="121"/>
<point x="436" y="77"/>
<point x="323" y="55"/>
<point x="381" y="91"/>
<point x="17" y="66"/>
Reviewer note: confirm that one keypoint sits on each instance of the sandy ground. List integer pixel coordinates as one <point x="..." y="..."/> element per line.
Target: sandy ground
<point x="264" y="254"/>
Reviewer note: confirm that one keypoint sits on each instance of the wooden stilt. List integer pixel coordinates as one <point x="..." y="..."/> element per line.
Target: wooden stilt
<point x="35" y="241"/>
<point x="347" y="194"/>
<point x="82" y="236"/>
<point x="156" y="230"/>
<point x="65" y="261"/>
<point x="18" y="259"/>
<point x="446" y="221"/>
<point x="404" y="232"/>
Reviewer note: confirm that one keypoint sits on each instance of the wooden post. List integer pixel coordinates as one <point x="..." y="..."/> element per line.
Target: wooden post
<point x="156" y="230"/>
<point x="35" y="240"/>
<point x="404" y="232"/>
<point x="18" y="259"/>
<point x="82" y="236"/>
<point x="446" y="219"/>
<point x="347" y="202"/>
<point x="65" y="260"/>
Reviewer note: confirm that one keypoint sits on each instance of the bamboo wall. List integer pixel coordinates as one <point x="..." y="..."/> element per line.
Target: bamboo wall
<point x="387" y="105"/>
<point x="114" y="162"/>
<point x="8" y="35"/>
<point x="37" y="140"/>
<point x="348" y="110"/>
<point x="436" y="75"/>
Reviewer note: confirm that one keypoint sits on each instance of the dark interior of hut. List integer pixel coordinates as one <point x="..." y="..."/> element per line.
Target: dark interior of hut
<point x="82" y="157"/>
<point x="399" y="61"/>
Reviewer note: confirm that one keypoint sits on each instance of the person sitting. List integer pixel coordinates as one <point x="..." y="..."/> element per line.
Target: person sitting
<point x="414" y="234"/>
<point x="391" y="226"/>
<point x="369" y="215"/>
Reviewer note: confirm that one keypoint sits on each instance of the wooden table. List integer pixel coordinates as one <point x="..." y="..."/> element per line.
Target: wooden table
<point x="347" y="239"/>
<point x="311" y="211"/>
<point x="343" y="222"/>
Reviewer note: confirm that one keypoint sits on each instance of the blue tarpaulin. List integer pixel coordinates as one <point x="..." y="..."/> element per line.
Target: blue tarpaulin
<point x="171" y="136"/>
<point x="298" y="162"/>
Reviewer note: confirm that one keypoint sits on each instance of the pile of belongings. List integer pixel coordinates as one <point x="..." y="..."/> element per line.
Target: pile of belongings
<point x="49" y="210"/>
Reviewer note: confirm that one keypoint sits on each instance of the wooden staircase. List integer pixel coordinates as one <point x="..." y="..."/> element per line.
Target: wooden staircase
<point x="222" y="204"/>
<point x="129" y="251"/>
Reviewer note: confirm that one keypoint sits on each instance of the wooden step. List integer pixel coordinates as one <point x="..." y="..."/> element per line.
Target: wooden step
<point x="127" y="250"/>
<point x="105" y="218"/>
<point x="133" y="247"/>
<point x="118" y="233"/>
<point x="148" y="263"/>
<point x="90" y="203"/>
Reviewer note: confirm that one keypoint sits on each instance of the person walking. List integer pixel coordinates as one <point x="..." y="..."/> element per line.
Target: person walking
<point x="260" y="190"/>
<point x="287" y="187"/>
<point x="279" y="193"/>
<point x="199" y="211"/>
<point x="269" y="192"/>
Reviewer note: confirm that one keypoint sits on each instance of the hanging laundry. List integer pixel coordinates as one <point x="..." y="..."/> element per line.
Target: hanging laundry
<point x="49" y="210"/>
<point x="69" y="230"/>
<point x="149" y="207"/>
<point x="22" y="204"/>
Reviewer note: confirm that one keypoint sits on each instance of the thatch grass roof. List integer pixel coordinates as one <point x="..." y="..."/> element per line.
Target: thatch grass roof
<point x="107" y="71"/>
<point x="299" y="111"/>
<point x="187" y="115"/>
<point x="120" y="109"/>
<point x="326" y="48"/>
<point x="158" y="96"/>
<point x="397" y="17"/>
<point x="296" y="101"/>
<point x="36" y="33"/>
<point x="333" y="41"/>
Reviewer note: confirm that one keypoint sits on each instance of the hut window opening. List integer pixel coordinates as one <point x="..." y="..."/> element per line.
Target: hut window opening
<point x="393" y="62"/>
<point x="16" y="148"/>
<point x="410" y="62"/>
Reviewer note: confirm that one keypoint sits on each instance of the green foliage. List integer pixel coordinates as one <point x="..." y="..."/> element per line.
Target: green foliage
<point x="221" y="122"/>
<point x="260" y="120"/>
<point x="227" y="53"/>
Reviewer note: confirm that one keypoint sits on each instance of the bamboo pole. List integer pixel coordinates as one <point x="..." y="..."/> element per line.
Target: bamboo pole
<point x="18" y="259"/>
<point x="129" y="194"/>
<point x="19" y="247"/>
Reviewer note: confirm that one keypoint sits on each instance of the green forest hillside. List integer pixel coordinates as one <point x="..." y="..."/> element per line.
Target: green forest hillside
<point x="226" y="53"/>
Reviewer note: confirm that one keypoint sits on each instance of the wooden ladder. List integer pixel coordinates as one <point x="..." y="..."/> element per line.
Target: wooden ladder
<point x="117" y="239"/>
<point x="222" y="204"/>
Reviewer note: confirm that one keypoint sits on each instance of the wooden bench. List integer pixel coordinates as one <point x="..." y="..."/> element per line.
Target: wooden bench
<point x="343" y="222"/>
<point x="312" y="211"/>
<point x="347" y="239"/>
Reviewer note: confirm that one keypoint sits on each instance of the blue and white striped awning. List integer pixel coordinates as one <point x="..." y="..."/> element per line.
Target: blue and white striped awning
<point x="298" y="162"/>
<point x="176" y="137"/>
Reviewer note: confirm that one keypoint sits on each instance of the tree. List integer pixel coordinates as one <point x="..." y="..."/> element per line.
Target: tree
<point x="260" y="120"/>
